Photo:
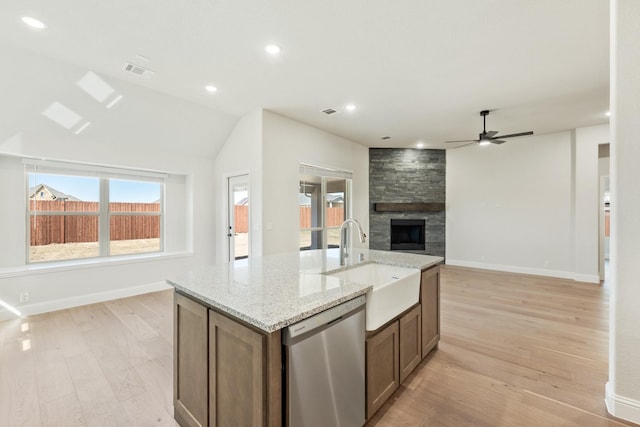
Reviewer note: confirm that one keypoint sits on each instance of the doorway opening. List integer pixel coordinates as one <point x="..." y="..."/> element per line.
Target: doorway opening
<point x="604" y="209"/>
<point x="238" y="217"/>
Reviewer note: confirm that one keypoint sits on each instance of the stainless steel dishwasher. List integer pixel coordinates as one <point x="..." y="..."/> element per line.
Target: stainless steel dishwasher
<point x="325" y="368"/>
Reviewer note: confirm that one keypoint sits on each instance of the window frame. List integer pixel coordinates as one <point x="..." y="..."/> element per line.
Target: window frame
<point x="323" y="174"/>
<point x="105" y="175"/>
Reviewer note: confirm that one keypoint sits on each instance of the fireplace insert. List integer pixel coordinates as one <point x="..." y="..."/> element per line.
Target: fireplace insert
<point x="407" y="234"/>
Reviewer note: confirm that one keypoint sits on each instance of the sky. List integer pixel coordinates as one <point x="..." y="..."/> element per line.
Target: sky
<point x="88" y="189"/>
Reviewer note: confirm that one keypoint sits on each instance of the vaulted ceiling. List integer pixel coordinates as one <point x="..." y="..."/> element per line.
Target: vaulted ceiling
<point x="416" y="70"/>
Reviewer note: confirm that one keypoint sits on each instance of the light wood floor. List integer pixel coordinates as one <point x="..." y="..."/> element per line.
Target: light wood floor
<point x="106" y="364"/>
<point x="515" y="351"/>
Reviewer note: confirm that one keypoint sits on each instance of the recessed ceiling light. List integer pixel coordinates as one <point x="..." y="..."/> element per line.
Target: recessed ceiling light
<point x="608" y="114"/>
<point x="420" y="144"/>
<point x="211" y="89"/>
<point x="350" y="107"/>
<point x="34" y="23"/>
<point x="272" y="49"/>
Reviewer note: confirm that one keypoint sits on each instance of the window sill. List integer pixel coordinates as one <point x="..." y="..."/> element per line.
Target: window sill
<point x="74" y="265"/>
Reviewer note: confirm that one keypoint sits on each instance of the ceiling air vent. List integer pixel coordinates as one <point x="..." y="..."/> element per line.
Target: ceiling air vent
<point x="138" y="70"/>
<point x="329" y="111"/>
<point x="384" y="138"/>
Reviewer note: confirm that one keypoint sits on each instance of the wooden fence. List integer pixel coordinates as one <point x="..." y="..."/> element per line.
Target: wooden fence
<point x="335" y="217"/>
<point x="47" y="229"/>
<point x="241" y="219"/>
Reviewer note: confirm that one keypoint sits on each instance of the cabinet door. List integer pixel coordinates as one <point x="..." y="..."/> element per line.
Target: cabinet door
<point x="430" y="301"/>
<point x="237" y="363"/>
<point x="190" y="362"/>
<point x="383" y="376"/>
<point x="410" y="341"/>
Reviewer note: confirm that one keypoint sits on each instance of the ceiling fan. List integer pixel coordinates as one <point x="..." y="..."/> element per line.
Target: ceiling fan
<point x="490" y="137"/>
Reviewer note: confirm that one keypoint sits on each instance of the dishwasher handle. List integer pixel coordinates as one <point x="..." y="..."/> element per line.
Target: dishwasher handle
<point x="321" y="321"/>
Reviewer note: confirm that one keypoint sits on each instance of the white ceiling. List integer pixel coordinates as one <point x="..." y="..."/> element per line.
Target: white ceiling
<point x="417" y="70"/>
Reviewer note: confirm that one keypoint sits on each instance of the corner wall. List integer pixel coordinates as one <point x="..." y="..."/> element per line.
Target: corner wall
<point x="241" y="154"/>
<point x="623" y="388"/>
<point x="286" y="144"/>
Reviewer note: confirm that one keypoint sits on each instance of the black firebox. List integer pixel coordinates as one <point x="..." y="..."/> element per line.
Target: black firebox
<point x="407" y="234"/>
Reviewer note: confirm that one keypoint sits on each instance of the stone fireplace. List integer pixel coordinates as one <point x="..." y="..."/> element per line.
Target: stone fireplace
<point x="407" y="185"/>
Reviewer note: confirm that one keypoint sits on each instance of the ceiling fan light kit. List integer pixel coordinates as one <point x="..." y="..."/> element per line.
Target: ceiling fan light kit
<point x="490" y="137"/>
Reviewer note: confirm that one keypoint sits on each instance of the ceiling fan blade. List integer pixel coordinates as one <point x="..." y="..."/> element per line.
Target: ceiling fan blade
<point x="497" y="141"/>
<point x="462" y="140"/>
<point x="491" y="133"/>
<point x="513" y="135"/>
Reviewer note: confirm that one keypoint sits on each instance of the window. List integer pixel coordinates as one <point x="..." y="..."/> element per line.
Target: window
<point x="77" y="211"/>
<point x="324" y="203"/>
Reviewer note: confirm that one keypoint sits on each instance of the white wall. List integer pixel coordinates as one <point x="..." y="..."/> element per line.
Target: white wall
<point x="623" y="388"/>
<point x="241" y="154"/>
<point x="287" y="143"/>
<point x="509" y="206"/>
<point x="586" y="201"/>
<point x="60" y="287"/>
<point x="145" y="130"/>
<point x="270" y="147"/>
<point x="528" y="206"/>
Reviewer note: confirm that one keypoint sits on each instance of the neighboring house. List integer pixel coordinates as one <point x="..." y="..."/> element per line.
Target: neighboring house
<point x="304" y="200"/>
<point x="333" y="200"/>
<point x="44" y="192"/>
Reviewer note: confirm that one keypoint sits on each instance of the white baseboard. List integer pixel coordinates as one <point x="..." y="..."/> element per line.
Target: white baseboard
<point x="560" y="274"/>
<point x="587" y="278"/>
<point x="622" y="407"/>
<point x="75" y="301"/>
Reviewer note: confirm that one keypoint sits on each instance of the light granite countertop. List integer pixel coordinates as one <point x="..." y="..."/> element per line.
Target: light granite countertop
<point x="275" y="291"/>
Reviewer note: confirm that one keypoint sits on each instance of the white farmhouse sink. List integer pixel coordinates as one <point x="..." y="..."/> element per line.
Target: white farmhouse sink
<point x="395" y="289"/>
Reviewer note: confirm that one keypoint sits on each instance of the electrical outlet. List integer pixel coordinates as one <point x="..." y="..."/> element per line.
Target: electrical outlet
<point x="24" y="297"/>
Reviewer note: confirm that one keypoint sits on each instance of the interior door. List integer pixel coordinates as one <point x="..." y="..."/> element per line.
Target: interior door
<point x="238" y="217"/>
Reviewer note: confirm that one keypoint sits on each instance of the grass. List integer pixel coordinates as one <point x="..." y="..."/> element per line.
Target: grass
<point x="66" y="251"/>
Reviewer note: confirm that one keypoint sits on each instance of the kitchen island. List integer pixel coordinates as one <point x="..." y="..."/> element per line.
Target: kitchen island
<point x="228" y="321"/>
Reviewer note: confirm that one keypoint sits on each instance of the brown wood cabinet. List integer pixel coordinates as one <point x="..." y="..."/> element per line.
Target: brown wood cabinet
<point x="190" y="362"/>
<point x="236" y="380"/>
<point x="430" y="301"/>
<point x="396" y="349"/>
<point x="410" y="325"/>
<point x="226" y="373"/>
<point x="383" y="367"/>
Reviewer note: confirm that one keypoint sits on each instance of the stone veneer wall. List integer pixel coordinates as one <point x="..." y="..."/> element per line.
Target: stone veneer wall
<point x="407" y="175"/>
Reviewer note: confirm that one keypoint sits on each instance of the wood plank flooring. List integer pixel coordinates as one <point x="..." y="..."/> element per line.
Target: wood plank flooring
<point x="106" y="364"/>
<point x="515" y="350"/>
